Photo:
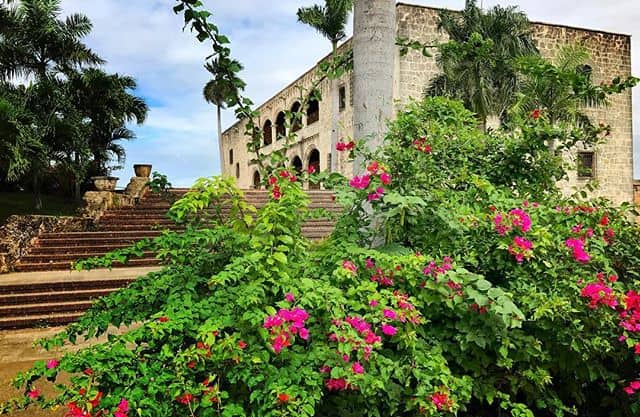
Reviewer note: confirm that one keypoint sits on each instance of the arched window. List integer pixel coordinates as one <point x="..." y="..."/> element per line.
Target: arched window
<point x="267" y="133"/>
<point x="313" y="112"/>
<point x="296" y="122"/>
<point x="297" y="164"/>
<point x="314" y="161"/>
<point x="230" y="156"/>
<point x="238" y="170"/>
<point x="256" y="180"/>
<point x="281" y="129"/>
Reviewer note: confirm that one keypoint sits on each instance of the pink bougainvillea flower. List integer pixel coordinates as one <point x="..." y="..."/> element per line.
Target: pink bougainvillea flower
<point x="123" y="405"/>
<point x="599" y="294"/>
<point x="441" y="400"/>
<point x="325" y="369"/>
<point x="579" y="254"/>
<point x="303" y="333"/>
<point x="311" y="169"/>
<point x="33" y="394"/>
<point x="357" y="368"/>
<point x="284" y="174"/>
<point x="336" y="384"/>
<point x="283" y="398"/>
<point x="341" y="146"/>
<point x="349" y="266"/>
<point x="289" y="297"/>
<point x="521" y="220"/>
<point x="373" y="167"/>
<point x="389" y="314"/>
<point x="185" y="398"/>
<point x="373" y="303"/>
<point x="242" y="344"/>
<point x="385" y="178"/>
<point x="368" y="263"/>
<point x="275" y="193"/>
<point x="52" y="363"/>
<point x="389" y="330"/>
<point x="360" y="182"/>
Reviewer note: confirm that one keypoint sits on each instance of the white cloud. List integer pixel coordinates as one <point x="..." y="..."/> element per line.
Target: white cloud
<point x="144" y="38"/>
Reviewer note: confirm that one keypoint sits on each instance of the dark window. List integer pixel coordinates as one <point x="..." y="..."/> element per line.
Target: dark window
<point x="267" y="133"/>
<point x="256" y="180"/>
<point x="314" y="161"/>
<point x="342" y="97"/>
<point x="297" y="165"/>
<point x="586" y="164"/>
<point x="230" y="156"/>
<point x="281" y="129"/>
<point x="313" y="113"/>
<point x="237" y="170"/>
<point x="296" y="122"/>
<point x="329" y="161"/>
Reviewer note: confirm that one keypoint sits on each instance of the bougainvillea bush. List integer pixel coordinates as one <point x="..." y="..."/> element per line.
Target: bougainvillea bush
<point x="458" y="281"/>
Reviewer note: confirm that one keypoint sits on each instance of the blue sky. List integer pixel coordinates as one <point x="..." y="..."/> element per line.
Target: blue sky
<point x="143" y="38"/>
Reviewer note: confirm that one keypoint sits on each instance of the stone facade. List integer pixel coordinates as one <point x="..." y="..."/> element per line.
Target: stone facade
<point x="610" y="56"/>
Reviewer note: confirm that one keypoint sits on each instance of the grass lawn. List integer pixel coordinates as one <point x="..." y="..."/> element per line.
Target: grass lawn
<point x="22" y="203"/>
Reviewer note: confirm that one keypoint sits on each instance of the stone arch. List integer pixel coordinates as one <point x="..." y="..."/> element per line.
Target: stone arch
<point x="281" y="129"/>
<point x="256" y="180"/>
<point x="267" y="133"/>
<point x="313" y="111"/>
<point x="296" y="121"/>
<point x="297" y="165"/>
<point x="314" y="161"/>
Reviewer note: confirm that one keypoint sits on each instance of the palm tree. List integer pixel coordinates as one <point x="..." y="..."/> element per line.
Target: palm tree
<point x="222" y="90"/>
<point x="477" y="62"/>
<point x="35" y="42"/>
<point x="374" y="50"/>
<point x="330" y="21"/>
<point x="106" y="105"/>
<point x="560" y="89"/>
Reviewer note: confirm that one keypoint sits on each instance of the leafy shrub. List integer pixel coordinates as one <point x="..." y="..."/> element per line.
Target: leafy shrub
<point x="453" y="284"/>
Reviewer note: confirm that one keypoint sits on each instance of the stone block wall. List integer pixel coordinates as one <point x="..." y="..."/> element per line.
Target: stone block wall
<point x="610" y="57"/>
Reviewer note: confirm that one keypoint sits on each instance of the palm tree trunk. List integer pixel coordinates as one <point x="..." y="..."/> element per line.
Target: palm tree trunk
<point x="373" y="65"/>
<point x="219" y="111"/>
<point x="335" y="103"/>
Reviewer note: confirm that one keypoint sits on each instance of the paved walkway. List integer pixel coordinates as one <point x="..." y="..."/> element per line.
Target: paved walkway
<point x="17" y="351"/>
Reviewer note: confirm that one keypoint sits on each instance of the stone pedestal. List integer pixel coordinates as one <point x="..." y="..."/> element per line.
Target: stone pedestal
<point x="137" y="187"/>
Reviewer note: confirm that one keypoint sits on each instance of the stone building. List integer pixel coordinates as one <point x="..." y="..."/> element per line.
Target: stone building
<point x="611" y="164"/>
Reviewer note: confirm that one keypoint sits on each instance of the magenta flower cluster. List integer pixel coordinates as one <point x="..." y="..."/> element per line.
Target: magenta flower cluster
<point x="285" y="325"/>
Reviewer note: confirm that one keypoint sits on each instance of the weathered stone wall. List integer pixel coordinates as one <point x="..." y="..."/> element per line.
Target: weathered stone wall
<point x="611" y="56"/>
<point x="19" y="233"/>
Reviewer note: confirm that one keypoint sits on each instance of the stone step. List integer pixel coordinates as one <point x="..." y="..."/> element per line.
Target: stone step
<point x="112" y="227"/>
<point x="141" y="234"/>
<point x="20" y="310"/>
<point x="76" y="249"/>
<point x="61" y="266"/>
<point x="39" y="320"/>
<point x="69" y="257"/>
<point x="63" y="295"/>
<point x="66" y="284"/>
<point x="90" y="240"/>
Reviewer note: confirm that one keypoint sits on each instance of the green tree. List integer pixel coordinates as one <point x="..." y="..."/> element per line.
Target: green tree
<point x="330" y="21"/>
<point x="108" y="104"/>
<point x="36" y="42"/>
<point x="477" y="62"/>
<point x="222" y="90"/>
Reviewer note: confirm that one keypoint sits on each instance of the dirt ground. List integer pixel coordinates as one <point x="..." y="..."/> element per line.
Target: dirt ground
<point x="17" y="354"/>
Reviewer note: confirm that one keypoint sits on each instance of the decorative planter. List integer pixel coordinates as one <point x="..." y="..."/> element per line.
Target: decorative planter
<point x="105" y="183"/>
<point x="142" y="170"/>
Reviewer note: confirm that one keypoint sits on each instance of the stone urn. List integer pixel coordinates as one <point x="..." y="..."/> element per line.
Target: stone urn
<point x="142" y="170"/>
<point x="105" y="183"/>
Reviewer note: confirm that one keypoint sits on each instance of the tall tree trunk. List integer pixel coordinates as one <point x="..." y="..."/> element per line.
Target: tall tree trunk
<point x="219" y="111"/>
<point x="335" y="112"/>
<point x="36" y="190"/>
<point x="374" y="47"/>
<point x="78" y="180"/>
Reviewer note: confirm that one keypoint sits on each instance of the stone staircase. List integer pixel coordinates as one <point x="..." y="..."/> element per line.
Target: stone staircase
<point x="44" y="292"/>
<point x="120" y="228"/>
